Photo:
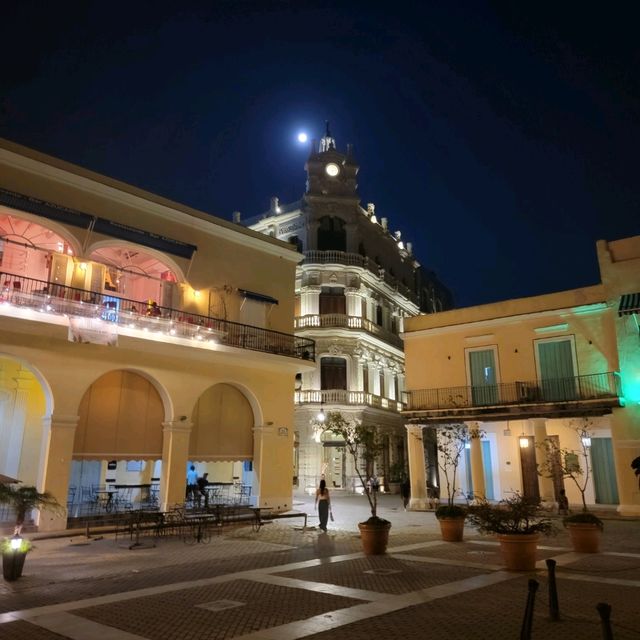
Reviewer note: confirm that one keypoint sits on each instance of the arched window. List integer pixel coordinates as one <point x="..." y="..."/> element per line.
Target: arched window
<point x="332" y="234"/>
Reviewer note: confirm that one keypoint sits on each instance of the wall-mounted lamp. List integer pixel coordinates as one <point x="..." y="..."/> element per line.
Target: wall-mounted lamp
<point x="586" y="441"/>
<point x="321" y="417"/>
<point x="524" y="441"/>
<point x="196" y="293"/>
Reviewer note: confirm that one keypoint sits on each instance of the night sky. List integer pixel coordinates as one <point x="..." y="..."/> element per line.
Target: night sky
<point x="501" y="139"/>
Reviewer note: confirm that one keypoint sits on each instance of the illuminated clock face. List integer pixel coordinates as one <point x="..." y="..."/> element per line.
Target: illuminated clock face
<point x="332" y="169"/>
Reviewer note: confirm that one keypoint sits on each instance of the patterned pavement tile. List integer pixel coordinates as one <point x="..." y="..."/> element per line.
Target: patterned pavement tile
<point x="498" y="612"/>
<point x="177" y="614"/>
<point x="384" y="574"/>
<point x="21" y="630"/>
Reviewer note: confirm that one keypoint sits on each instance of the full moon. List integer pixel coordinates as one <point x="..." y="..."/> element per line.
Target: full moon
<point x="302" y="137"/>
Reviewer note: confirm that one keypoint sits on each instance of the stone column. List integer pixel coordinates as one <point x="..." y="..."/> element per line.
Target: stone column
<point x="417" y="472"/>
<point x="310" y="300"/>
<point x="626" y="447"/>
<point x="58" y="436"/>
<point x="545" y="484"/>
<point x="175" y="455"/>
<point x="354" y="302"/>
<point x="477" y="465"/>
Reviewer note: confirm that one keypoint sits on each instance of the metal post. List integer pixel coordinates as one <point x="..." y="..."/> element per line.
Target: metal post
<point x="525" y="631"/>
<point x="554" y="609"/>
<point x="604" y="610"/>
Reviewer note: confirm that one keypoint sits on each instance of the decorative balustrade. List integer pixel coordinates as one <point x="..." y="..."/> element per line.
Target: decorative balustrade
<point x="356" y="260"/>
<point x="338" y="320"/>
<point x="57" y="299"/>
<point x="580" y="388"/>
<point x="346" y="397"/>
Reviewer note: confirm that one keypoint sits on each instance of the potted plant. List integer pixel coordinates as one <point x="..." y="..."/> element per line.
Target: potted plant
<point x="517" y="523"/>
<point x="585" y="528"/>
<point x="451" y="442"/>
<point x="364" y="445"/>
<point x="22" y="499"/>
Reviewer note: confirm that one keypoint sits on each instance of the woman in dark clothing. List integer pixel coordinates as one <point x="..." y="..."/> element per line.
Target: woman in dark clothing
<point x="323" y="504"/>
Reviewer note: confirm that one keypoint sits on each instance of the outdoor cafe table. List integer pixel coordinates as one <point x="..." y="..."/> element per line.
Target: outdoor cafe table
<point x="199" y="523"/>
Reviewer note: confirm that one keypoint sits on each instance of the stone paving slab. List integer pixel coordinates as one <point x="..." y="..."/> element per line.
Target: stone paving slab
<point x="384" y="574"/>
<point x="177" y="614"/>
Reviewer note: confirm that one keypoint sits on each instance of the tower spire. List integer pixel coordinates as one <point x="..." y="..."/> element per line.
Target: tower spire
<point x="327" y="142"/>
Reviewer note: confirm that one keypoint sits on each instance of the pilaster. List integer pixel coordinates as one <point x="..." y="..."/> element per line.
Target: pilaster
<point x="545" y="484"/>
<point x="175" y="455"/>
<point x="417" y="472"/>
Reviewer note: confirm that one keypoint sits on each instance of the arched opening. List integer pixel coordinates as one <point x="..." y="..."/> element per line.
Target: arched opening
<point x="332" y="234"/>
<point x="135" y="274"/>
<point x="117" y="449"/>
<point x="31" y="250"/>
<point x="221" y="443"/>
<point x="24" y="402"/>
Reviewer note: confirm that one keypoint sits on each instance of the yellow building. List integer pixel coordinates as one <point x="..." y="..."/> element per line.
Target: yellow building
<point x="139" y="336"/>
<point x="561" y="368"/>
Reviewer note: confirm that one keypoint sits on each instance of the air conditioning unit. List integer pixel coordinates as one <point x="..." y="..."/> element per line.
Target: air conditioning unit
<point x="526" y="392"/>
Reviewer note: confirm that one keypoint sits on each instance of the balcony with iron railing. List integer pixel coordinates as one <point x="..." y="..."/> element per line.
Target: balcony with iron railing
<point x="345" y="397"/>
<point x="589" y="394"/>
<point x="342" y="321"/>
<point x="356" y="260"/>
<point x="29" y="298"/>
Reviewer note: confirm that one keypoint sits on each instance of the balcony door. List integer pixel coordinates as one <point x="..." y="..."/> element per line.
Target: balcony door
<point x="333" y="373"/>
<point x="332" y="301"/>
<point x="483" y="376"/>
<point x="556" y="366"/>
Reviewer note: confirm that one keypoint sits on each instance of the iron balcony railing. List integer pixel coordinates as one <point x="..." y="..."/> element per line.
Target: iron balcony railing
<point x="356" y="260"/>
<point x="345" y="397"/>
<point x="590" y="387"/>
<point x="339" y="320"/>
<point x="50" y="297"/>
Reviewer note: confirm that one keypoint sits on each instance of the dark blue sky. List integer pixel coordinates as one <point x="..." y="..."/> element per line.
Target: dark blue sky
<point x="502" y="139"/>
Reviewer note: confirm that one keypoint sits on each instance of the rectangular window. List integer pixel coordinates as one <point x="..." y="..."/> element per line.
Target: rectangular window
<point x="333" y="373"/>
<point x="556" y="368"/>
<point x="333" y="300"/>
<point x="483" y="377"/>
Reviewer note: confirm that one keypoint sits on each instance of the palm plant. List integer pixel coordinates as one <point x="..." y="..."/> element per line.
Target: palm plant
<point x="25" y="498"/>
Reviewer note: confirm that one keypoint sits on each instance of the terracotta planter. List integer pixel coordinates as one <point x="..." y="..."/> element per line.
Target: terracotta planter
<point x="584" y="536"/>
<point x="375" y="538"/>
<point x="519" y="550"/>
<point x="12" y="564"/>
<point x="452" y="529"/>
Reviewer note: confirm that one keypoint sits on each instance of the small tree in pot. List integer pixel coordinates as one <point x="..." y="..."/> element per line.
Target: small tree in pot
<point x="452" y="439"/>
<point x="22" y="499"/>
<point x="584" y="528"/>
<point x="364" y="444"/>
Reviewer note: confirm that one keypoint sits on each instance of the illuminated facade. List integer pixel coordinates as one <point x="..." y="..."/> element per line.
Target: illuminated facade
<point x="355" y="286"/>
<point x="137" y="336"/>
<point x="527" y="370"/>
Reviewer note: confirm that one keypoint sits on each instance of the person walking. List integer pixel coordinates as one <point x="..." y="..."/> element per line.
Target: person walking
<point x="405" y="491"/>
<point x="323" y="504"/>
<point x="203" y="482"/>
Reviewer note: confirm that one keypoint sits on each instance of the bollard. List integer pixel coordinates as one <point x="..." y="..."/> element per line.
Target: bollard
<point x="554" y="609"/>
<point x="604" y="610"/>
<point x="525" y="631"/>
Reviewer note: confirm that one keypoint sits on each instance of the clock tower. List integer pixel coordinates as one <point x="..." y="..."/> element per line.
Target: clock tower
<point x="329" y="172"/>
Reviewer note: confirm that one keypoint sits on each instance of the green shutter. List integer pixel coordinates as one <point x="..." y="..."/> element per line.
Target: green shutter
<point x="482" y="368"/>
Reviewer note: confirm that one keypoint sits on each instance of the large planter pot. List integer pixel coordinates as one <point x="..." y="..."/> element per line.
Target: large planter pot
<point x="519" y="550"/>
<point x="12" y="564"/>
<point x="375" y="537"/>
<point x="452" y="529"/>
<point x="585" y="537"/>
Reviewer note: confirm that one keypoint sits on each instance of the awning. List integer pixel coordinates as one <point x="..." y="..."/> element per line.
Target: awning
<point x="260" y="297"/>
<point x="629" y="303"/>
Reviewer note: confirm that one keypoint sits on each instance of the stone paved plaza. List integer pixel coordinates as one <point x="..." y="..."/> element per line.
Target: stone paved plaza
<point x="283" y="583"/>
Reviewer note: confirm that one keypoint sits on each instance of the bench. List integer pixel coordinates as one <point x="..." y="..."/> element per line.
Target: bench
<point x="270" y="516"/>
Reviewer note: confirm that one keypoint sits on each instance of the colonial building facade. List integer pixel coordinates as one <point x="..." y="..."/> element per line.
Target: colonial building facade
<point x="561" y="368"/>
<point x="138" y="336"/>
<point x="355" y="286"/>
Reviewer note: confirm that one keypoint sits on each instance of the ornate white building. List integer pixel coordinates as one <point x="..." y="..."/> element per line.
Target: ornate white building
<point x="356" y="283"/>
